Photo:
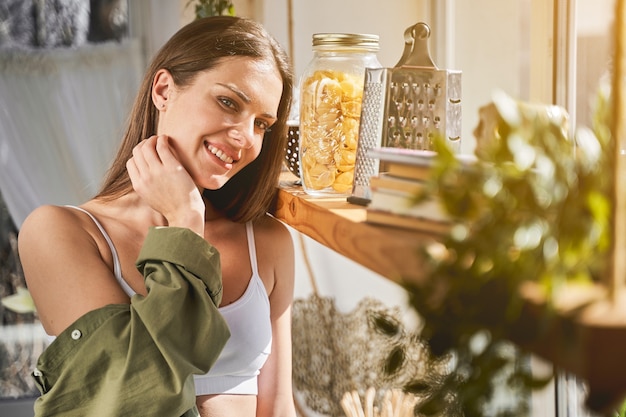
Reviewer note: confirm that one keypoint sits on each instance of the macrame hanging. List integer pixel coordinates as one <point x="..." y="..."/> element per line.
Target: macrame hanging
<point x="336" y="352"/>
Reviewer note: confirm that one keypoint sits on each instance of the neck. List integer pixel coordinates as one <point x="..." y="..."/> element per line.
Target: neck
<point x="210" y="213"/>
<point x="132" y="208"/>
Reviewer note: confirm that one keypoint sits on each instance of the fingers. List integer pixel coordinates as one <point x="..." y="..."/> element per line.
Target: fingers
<point x="150" y="155"/>
<point x="144" y="163"/>
<point x="154" y="164"/>
<point x="155" y="153"/>
<point x="145" y="155"/>
<point x="165" y="154"/>
<point x="161" y="181"/>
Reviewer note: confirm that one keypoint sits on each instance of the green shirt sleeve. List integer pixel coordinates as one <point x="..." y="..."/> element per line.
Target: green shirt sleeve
<point x="138" y="359"/>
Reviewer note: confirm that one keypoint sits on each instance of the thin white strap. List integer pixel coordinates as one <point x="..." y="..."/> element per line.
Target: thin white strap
<point x="252" y="248"/>
<point x="117" y="268"/>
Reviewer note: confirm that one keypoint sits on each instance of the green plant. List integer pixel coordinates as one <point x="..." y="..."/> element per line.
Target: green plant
<point x="206" y="8"/>
<point x="534" y="207"/>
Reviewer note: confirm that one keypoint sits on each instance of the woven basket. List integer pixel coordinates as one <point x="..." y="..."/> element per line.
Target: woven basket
<point x="293" y="148"/>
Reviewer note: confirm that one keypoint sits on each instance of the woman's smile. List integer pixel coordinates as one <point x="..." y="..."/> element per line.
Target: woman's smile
<point x="220" y="154"/>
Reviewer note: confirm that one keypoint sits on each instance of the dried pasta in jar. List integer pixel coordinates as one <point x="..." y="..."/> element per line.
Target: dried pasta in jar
<point x="331" y="91"/>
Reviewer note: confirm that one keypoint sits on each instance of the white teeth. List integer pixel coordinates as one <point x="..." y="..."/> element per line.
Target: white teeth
<point x="221" y="155"/>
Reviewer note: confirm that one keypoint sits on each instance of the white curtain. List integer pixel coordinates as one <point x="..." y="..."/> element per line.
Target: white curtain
<point x="62" y="115"/>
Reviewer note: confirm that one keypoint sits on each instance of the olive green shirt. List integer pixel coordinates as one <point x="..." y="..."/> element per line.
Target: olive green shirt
<point x="137" y="359"/>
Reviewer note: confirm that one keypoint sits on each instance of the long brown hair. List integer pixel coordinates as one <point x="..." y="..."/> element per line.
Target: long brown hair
<point x="198" y="47"/>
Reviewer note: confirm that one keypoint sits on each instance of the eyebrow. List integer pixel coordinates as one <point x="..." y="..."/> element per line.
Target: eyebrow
<point x="245" y="98"/>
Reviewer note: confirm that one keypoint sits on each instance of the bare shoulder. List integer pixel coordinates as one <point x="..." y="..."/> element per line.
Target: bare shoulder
<point x="272" y="232"/>
<point x="49" y="226"/>
<point x="53" y="235"/>
<point x="48" y="221"/>
<point x="62" y="261"/>
<point x="50" y="213"/>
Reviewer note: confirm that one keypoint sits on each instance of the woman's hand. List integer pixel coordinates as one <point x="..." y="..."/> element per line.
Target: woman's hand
<point x="164" y="184"/>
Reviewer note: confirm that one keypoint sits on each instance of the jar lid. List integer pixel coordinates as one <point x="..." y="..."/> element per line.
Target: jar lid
<point x="347" y="40"/>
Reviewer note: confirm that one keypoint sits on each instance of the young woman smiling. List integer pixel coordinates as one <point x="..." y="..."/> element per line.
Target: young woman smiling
<point x="174" y="282"/>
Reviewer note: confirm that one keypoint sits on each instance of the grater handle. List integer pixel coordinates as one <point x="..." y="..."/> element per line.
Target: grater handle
<point x="409" y="41"/>
<point x="416" y="52"/>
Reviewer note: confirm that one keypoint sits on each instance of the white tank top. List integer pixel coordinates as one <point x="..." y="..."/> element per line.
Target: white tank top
<point x="250" y="343"/>
<point x="248" y="318"/>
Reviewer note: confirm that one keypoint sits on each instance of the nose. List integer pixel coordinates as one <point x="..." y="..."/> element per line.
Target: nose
<point x="243" y="133"/>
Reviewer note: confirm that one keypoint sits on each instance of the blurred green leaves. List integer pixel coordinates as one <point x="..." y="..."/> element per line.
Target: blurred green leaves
<point x="534" y="207"/>
<point x="206" y="8"/>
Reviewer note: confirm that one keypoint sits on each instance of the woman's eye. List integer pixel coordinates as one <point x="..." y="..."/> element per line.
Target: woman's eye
<point x="226" y="102"/>
<point x="263" y="125"/>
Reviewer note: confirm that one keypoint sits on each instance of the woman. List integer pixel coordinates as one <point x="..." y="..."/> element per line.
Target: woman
<point x="201" y="156"/>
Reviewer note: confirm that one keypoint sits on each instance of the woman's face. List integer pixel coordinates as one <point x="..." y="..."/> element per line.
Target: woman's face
<point x="217" y="123"/>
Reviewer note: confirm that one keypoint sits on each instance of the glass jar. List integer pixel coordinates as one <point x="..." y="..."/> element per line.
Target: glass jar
<point x="331" y="90"/>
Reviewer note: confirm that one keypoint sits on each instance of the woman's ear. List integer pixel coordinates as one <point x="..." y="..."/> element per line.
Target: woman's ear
<point x="162" y="86"/>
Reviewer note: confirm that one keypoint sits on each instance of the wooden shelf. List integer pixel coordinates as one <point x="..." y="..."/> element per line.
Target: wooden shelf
<point x="340" y="226"/>
<point x="586" y="338"/>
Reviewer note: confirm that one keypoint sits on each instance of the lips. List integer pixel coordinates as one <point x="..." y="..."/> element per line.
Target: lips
<point x="220" y="154"/>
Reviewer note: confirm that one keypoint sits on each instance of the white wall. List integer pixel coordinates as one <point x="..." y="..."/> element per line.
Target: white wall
<point x="594" y="47"/>
<point x="488" y="48"/>
<point x="339" y="277"/>
<point x="388" y="19"/>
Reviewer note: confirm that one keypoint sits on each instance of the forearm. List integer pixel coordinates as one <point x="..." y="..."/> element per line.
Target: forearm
<point x="181" y="272"/>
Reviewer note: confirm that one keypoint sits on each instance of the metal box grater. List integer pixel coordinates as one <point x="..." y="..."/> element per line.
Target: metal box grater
<point x="406" y="107"/>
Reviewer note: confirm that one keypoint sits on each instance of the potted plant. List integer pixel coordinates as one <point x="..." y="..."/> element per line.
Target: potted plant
<point x="533" y="210"/>
<point x="206" y="8"/>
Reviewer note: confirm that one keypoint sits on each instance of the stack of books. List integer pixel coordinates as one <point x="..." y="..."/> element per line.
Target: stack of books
<point x="394" y="191"/>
